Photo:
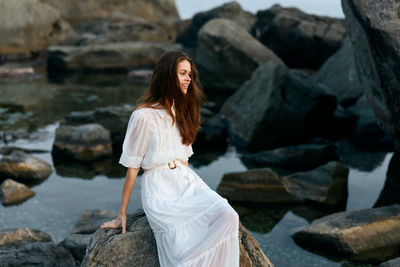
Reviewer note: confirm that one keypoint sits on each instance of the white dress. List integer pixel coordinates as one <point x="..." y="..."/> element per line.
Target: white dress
<point x="192" y="224"/>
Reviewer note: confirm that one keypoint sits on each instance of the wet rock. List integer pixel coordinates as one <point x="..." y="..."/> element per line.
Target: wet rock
<point x="85" y="142"/>
<point x="212" y="134"/>
<point x="16" y="71"/>
<point x="108" y="246"/>
<point x="90" y="221"/>
<point x="232" y="11"/>
<point x="111" y="56"/>
<point x="15" y="237"/>
<point x="255" y="186"/>
<point x="113" y="118"/>
<point x="339" y="74"/>
<point x="326" y="184"/>
<point x="23" y="167"/>
<point x="391" y="263"/>
<point x="390" y="193"/>
<point x="294" y="158"/>
<point x="227" y="54"/>
<point x="44" y="254"/>
<point x="12" y="192"/>
<point x="370" y="235"/>
<point x="77" y="244"/>
<point x="277" y="107"/>
<point x="35" y="32"/>
<point x="140" y="75"/>
<point x="300" y="39"/>
<point x="373" y="31"/>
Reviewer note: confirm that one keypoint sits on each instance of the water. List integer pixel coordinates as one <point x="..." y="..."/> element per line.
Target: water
<point x="70" y="190"/>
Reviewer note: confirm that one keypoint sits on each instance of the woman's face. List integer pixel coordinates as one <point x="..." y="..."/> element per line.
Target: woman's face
<point x="183" y="71"/>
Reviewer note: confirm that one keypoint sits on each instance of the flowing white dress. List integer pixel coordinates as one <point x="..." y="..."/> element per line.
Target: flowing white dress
<point x="192" y="224"/>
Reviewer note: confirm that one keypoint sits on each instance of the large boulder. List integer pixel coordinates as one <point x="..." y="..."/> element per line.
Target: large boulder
<point x="300" y="39"/>
<point x="277" y="107"/>
<point x="371" y="235"/>
<point x="391" y="263"/>
<point x="15" y="237"/>
<point x="293" y="158"/>
<point x="326" y="184"/>
<point x="29" y="25"/>
<point x="12" y="192"/>
<point x="232" y="11"/>
<point x="77" y="12"/>
<point x="255" y="186"/>
<point x="390" y="193"/>
<point x="23" y="167"/>
<point x="86" y="142"/>
<point x="374" y="33"/>
<point x="109" y="247"/>
<point x="339" y="74"/>
<point x="227" y="54"/>
<point x="117" y="56"/>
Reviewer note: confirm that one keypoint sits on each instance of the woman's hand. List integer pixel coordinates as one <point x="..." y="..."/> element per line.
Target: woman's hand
<point x="116" y="223"/>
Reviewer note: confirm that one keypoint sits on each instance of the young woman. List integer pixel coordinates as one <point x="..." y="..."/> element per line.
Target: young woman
<point x="192" y="224"/>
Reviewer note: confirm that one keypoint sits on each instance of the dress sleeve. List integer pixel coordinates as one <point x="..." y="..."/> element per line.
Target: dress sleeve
<point x="188" y="151"/>
<point x="136" y="141"/>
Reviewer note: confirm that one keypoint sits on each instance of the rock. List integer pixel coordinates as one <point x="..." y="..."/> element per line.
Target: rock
<point x="255" y="186"/>
<point x="77" y="12"/>
<point x="299" y="39"/>
<point x="23" y="167"/>
<point x="326" y="184"/>
<point x="109" y="246"/>
<point x="15" y="237"/>
<point x="29" y="25"/>
<point x="12" y="192"/>
<point x="113" y="118"/>
<point x="390" y="193"/>
<point x="212" y="134"/>
<point x="366" y="132"/>
<point x="370" y="235"/>
<point x="227" y="54"/>
<point x="77" y="244"/>
<point x="113" y="56"/>
<point x="391" y="263"/>
<point x="277" y="107"/>
<point x="17" y="71"/>
<point x="85" y="142"/>
<point x="142" y="75"/>
<point x="374" y="35"/>
<point x="90" y="221"/>
<point x="339" y="74"/>
<point x="44" y="254"/>
<point x="294" y="158"/>
<point x="232" y="11"/>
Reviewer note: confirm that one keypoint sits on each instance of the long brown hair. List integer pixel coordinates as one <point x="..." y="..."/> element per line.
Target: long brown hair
<point x="164" y="91"/>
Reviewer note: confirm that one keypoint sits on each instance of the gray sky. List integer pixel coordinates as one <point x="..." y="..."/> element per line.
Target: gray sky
<point x="332" y="8"/>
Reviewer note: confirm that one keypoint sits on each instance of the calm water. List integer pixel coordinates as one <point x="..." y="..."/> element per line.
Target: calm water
<point x="70" y="190"/>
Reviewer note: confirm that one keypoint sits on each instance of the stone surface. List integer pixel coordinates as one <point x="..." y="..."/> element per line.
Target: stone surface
<point x="15" y="237"/>
<point x="23" y="167"/>
<point x="12" y="192"/>
<point x="295" y="158"/>
<point x="277" y="107"/>
<point x="255" y="186"/>
<point x="339" y="74"/>
<point x="85" y="142"/>
<point x="301" y="40"/>
<point x="326" y="184"/>
<point x="232" y="11"/>
<point x="112" y="56"/>
<point x="374" y="32"/>
<point x="29" y="25"/>
<point x="371" y="235"/>
<point x="44" y="254"/>
<point x="391" y="263"/>
<point x="109" y="247"/>
<point x="77" y="244"/>
<point x="227" y="54"/>
<point x="90" y="221"/>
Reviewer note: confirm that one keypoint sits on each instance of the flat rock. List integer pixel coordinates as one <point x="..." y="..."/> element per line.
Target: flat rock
<point x="90" y="221"/>
<point x="277" y="107"/>
<point x="15" y="237"/>
<point x="84" y="142"/>
<point x="326" y="184"/>
<point x="255" y="186"/>
<point x="227" y="54"/>
<point x="12" y="192"/>
<point x="23" y="167"/>
<point x="371" y="235"/>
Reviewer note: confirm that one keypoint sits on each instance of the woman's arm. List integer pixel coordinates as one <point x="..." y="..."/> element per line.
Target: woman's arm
<point x="130" y="180"/>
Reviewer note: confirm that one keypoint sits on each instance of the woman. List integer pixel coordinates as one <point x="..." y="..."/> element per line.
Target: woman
<point x="192" y="224"/>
